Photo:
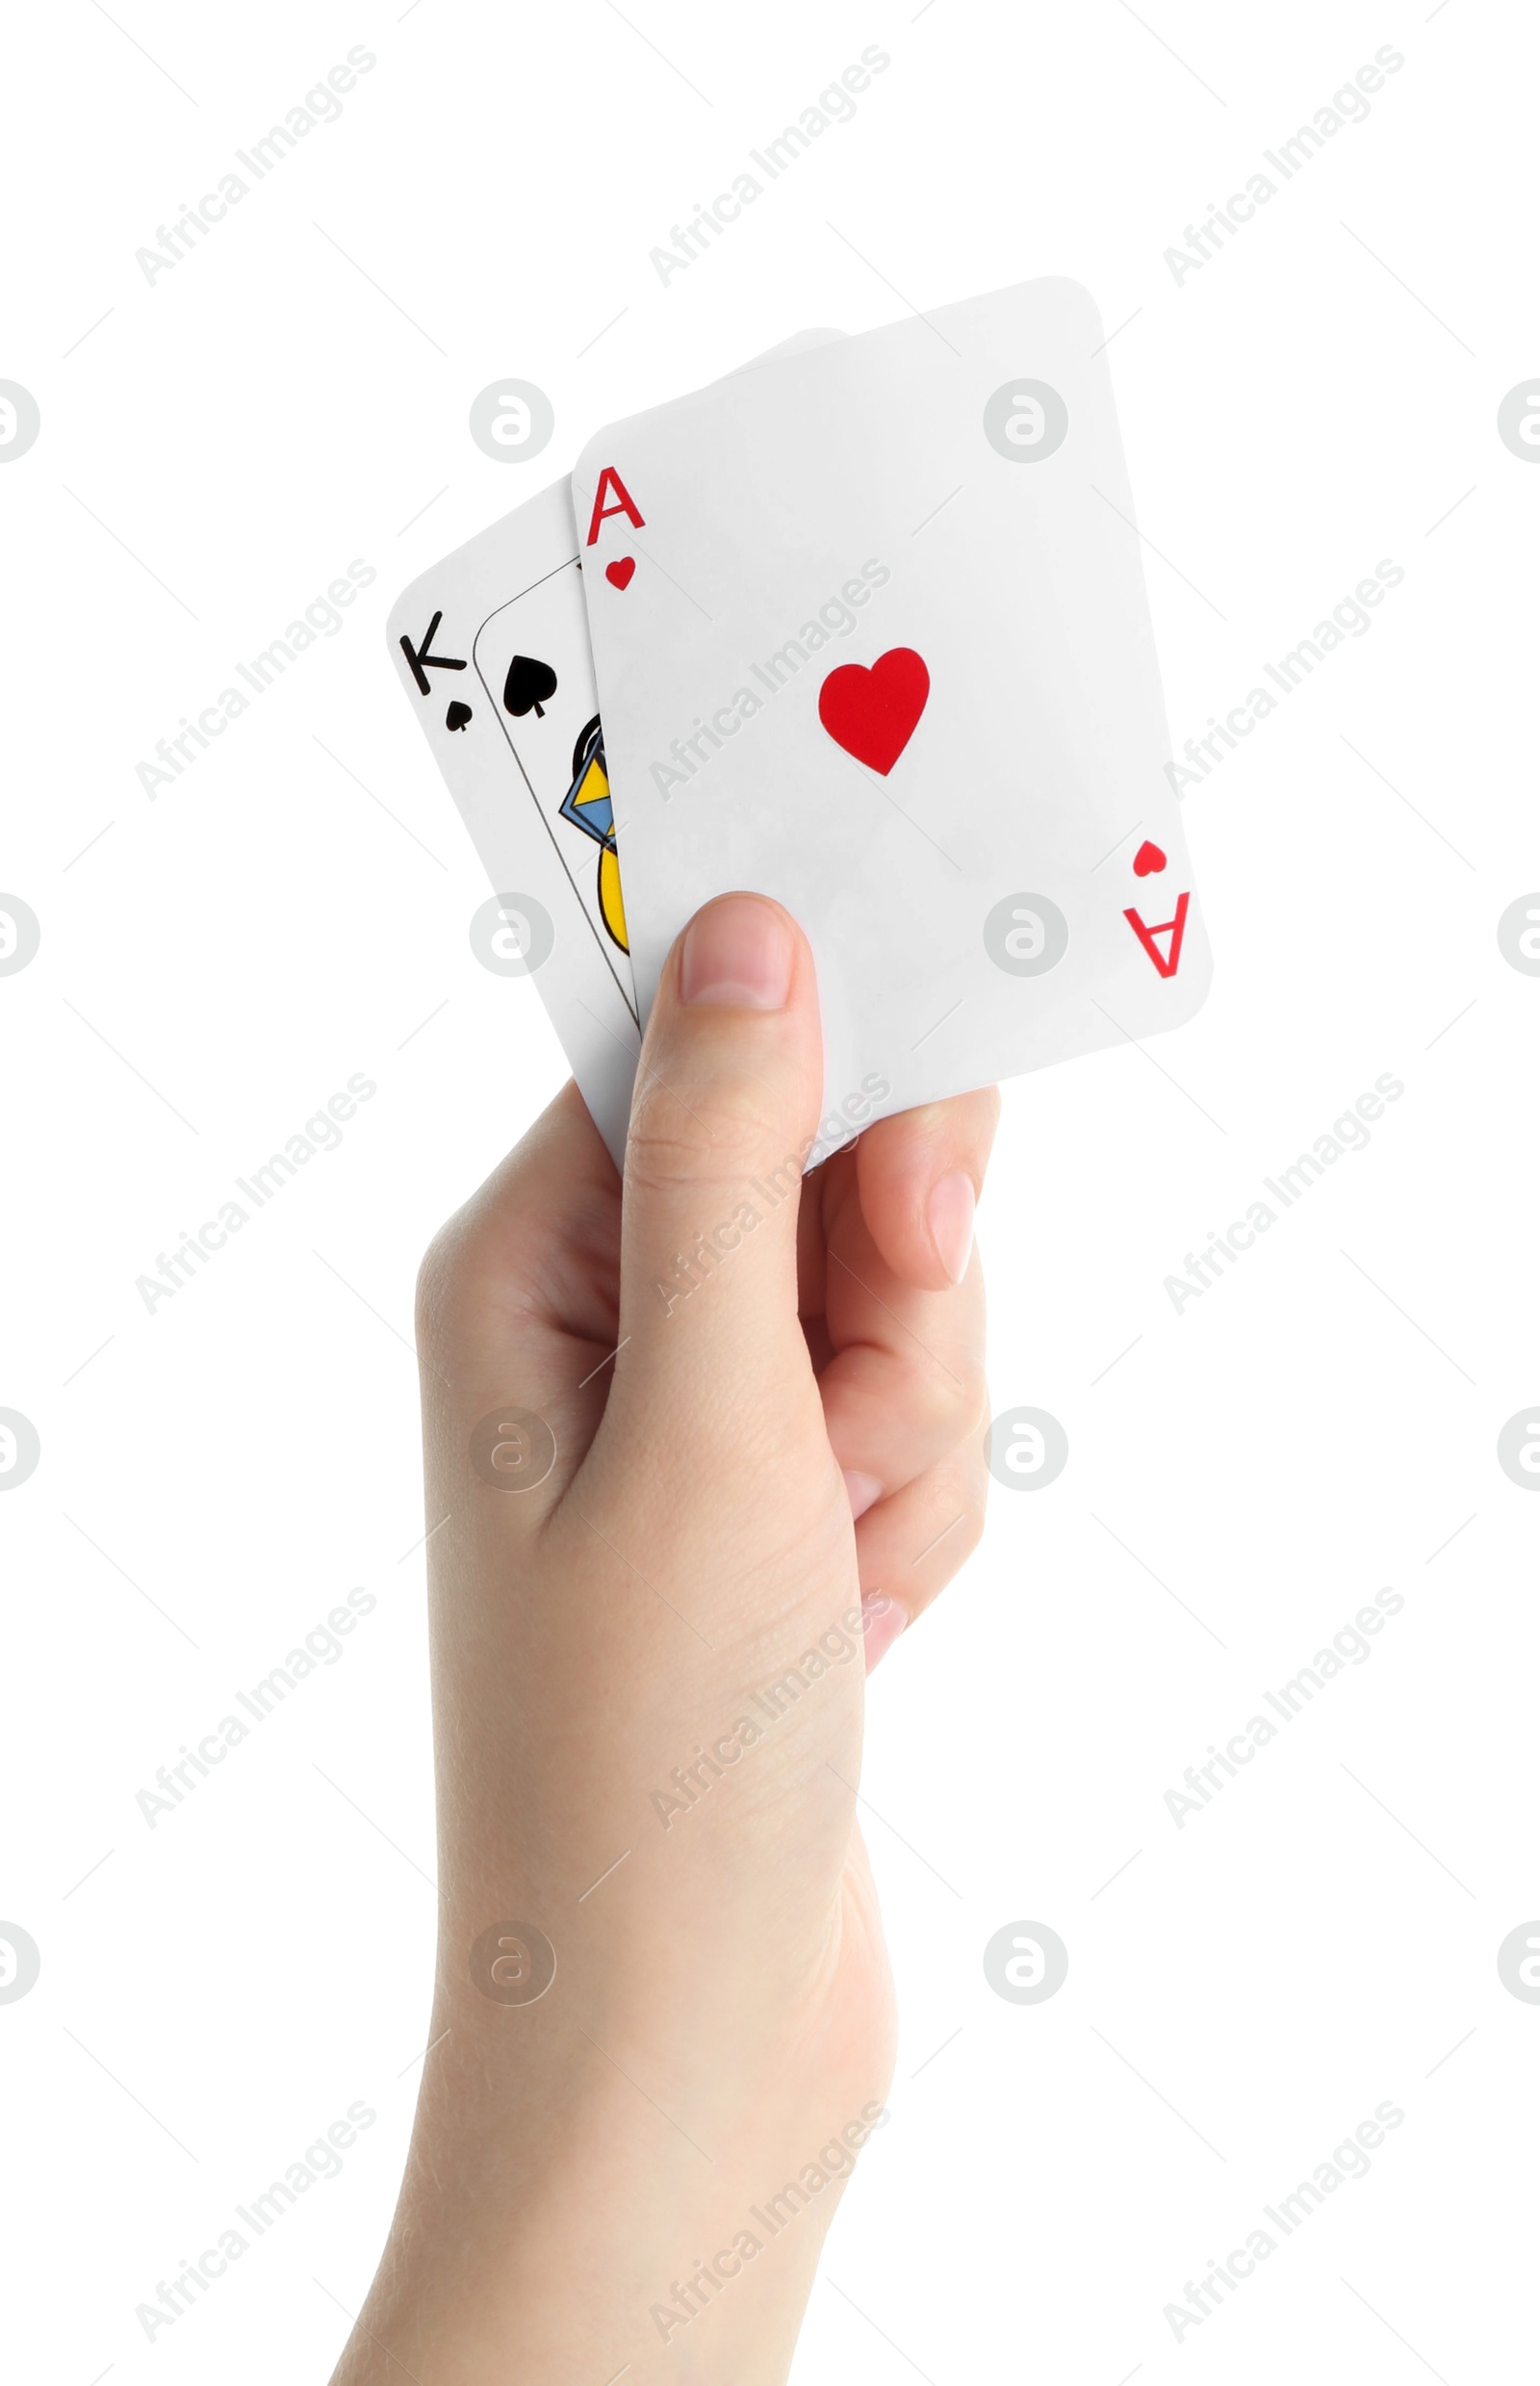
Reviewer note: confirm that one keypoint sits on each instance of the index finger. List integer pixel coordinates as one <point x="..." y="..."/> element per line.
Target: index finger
<point x="920" y="1174"/>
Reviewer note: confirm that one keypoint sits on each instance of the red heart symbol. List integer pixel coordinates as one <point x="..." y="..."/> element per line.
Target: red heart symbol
<point x="1147" y="858"/>
<point x="620" y="572"/>
<point x="873" y="713"/>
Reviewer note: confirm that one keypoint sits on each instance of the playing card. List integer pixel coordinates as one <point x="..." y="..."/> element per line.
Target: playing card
<point x="503" y="738"/>
<point x="549" y="718"/>
<point x="872" y="637"/>
<point x="492" y="648"/>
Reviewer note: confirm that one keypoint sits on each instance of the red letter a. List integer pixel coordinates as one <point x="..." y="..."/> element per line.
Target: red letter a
<point x="609" y="478"/>
<point x="1175" y="928"/>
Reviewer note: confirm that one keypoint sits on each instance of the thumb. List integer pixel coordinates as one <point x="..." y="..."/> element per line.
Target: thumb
<point x="725" y="1114"/>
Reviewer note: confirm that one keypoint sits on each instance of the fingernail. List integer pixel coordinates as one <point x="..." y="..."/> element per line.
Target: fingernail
<point x="737" y="951"/>
<point x="864" y="1491"/>
<point x="882" y="1620"/>
<point x="950" y="1215"/>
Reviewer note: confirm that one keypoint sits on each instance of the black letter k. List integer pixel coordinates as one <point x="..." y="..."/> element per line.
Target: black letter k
<point x="423" y="661"/>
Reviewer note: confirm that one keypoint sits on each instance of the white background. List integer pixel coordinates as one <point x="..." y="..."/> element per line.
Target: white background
<point x="215" y="448"/>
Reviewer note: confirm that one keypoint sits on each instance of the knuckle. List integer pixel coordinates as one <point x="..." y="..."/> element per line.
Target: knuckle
<point x="440" y="1278"/>
<point x="952" y="1400"/>
<point x="468" y="1271"/>
<point x="721" y="1137"/>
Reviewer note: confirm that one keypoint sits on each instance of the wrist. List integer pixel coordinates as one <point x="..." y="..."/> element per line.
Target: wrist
<point x="574" y="2203"/>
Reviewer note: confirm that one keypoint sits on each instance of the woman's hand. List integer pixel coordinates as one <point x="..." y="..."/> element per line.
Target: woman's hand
<point x="698" y="1455"/>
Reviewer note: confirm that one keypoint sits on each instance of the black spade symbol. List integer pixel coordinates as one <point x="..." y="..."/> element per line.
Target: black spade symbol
<point x="529" y="685"/>
<point x="457" y="716"/>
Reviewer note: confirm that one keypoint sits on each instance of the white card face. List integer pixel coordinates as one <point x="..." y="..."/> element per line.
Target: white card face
<point x="872" y="637"/>
<point x="501" y="673"/>
<point x="504" y="770"/>
<point x="549" y="717"/>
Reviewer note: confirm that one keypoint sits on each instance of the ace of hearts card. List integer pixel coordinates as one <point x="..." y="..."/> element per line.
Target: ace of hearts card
<point x="871" y="637"/>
